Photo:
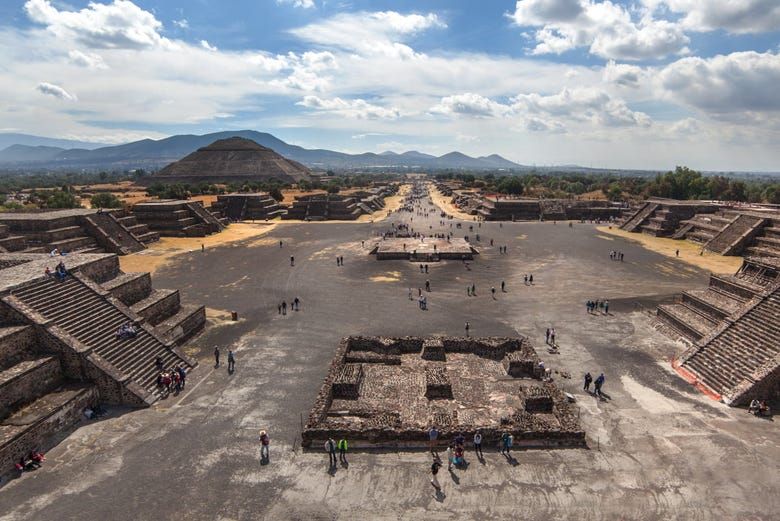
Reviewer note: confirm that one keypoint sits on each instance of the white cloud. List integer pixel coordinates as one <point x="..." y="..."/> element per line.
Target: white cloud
<point x="607" y="29"/>
<point x="87" y="59"/>
<point x="182" y="24"/>
<point x="55" y="90"/>
<point x="736" y="16"/>
<point x="356" y="108"/>
<point x="535" y="124"/>
<point x="121" y="24"/>
<point x="206" y="45"/>
<point x="370" y="34"/>
<point x="622" y="74"/>
<point x="469" y="104"/>
<point x="305" y="4"/>
<point x="741" y="86"/>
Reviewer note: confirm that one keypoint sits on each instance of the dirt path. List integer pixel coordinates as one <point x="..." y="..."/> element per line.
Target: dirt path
<point x="161" y="252"/>
<point x="444" y="203"/>
<point x="392" y="204"/>
<point x="689" y="252"/>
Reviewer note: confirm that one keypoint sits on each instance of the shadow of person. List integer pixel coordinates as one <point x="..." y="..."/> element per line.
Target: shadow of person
<point x="345" y="464"/>
<point x="512" y="460"/>
<point x="332" y="469"/>
<point x="454" y="477"/>
<point x="439" y="496"/>
<point x="481" y="458"/>
<point x="604" y="396"/>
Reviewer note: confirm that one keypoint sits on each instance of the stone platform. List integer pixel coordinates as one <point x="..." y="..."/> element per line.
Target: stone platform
<point x="387" y="392"/>
<point x="428" y="249"/>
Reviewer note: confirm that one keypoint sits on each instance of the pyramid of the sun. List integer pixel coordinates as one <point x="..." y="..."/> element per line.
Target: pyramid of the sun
<point x="233" y="159"/>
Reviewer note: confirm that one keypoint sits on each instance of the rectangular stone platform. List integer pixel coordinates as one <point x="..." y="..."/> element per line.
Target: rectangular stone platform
<point x="425" y="250"/>
<point x="392" y="400"/>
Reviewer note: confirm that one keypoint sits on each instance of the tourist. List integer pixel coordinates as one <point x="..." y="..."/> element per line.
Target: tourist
<point x="525" y="280"/>
<point x="426" y="268"/>
<point x="279" y="307"/>
<point x="473" y="290"/>
<point x="292" y="260"/>
<point x="330" y="448"/>
<point x="606" y="307"/>
<point x="468" y="291"/>
<point x="433" y="438"/>
<point x="478" y="443"/>
<point x="202" y="247"/>
<point x="493" y="292"/>
<point x="264" y="442"/>
<point x="410" y="294"/>
<point x="588" y="380"/>
<point x="428" y="286"/>
<point x="547" y="336"/>
<point x="468" y="327"/>
<point x="216" y="356"/>
<point x="503" y="287"/>
<point x="597" y="385"/>
<point x="434" y="480"/>
<point x="531" y="279"/>
<point x="182" y="375"/>
<point x="231" y="361"/>
<point x="505" y="443"/>
<point x="342" y="446"/>
<point x="449" y="457"/>
<point x="421" y="266"/>
<point x="677" y="253"/>
<point x="280" y="244"/>
<point x="552" y="336"/>
<point x="284" y="307"/>
<point x="754" y="406"/>
<point x="296" y="304"/>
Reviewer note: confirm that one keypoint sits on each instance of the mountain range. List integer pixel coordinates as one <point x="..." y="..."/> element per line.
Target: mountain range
<point x="31" y="152"/>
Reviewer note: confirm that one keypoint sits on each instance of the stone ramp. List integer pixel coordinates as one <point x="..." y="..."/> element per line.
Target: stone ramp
<point x="92" y="319"/>
<point x="635" y="221"/>
<point x="735" y="235"/>
<point x="206" y="216"/>
<point x="111" y="234"/>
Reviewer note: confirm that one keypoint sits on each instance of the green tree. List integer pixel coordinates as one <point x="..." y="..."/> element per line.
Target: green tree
<point x="105" y="200"/>
<point x="276" y="193"/>
<point x="772" y="194"/>
<point x="60" y="199"/>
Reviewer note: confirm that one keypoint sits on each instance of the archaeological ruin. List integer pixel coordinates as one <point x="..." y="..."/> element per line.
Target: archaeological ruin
<point x="178" y="218"/>
<point x="78" y="230"/>
<point x="387" y="392"/>
<point x="59" y="345"/>
<point x="240" y="207"/>
<point x="426" y="250"/>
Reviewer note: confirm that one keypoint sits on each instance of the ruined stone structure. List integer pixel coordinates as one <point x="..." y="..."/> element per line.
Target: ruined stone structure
<point x="662" y="217"/>
<point x="387" y="392"/>
<point x="232" y="160"/>
<point x="505" y="209"/>
<point x="733" y="328"/>
<point x="178" y="218"/>
<point x="73" y="231"/>
<point x="240" y="207"/>
<point x="325" y="207"/>
<point x="58" y="346"/>
<point x="426" y="250"/>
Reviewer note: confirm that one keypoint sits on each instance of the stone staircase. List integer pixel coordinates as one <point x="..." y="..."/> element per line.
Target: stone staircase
<point x="10" y="243"/>
<point x="111" y="234"/>
<point x="767" y="242"/>
<point x="36" y="400"/>
<point x="83" y="314"/>
<point x="140" y="231"/>
<point x="642" y="214"/>
<point x="552" y="210"/>
<point x="733" y="327"/>
<point x="205" y="216"/>
<point x="731" y="240"/>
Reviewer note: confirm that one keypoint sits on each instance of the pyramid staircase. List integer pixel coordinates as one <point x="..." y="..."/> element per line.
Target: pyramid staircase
<point x="732" y="239"/>
<point x="733" y="327"/>
<point x="644" y="212"/>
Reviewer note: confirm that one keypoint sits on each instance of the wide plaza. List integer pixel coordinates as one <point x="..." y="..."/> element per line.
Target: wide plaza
<point x="656" y="447"/>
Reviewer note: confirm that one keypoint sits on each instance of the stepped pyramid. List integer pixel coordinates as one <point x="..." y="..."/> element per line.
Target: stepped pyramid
<point x="232" y="159"/>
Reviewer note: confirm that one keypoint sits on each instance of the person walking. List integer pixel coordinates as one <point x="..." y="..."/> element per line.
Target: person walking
<point x="284" y="307"/>
<point x="503" y="287"/>
<point x="280" y="244"/>
<point x="606" y="307"/>
<point x="428" y="286"/>
<point x="493" y="292"/>
<point x="478" y="443"/>
<point x="505" y="443"/>
<point x="473" y="290"/>
<point x="468" y="327"/>
<point x="330" y="448"/>
<point x="434" y="479"/>
<point x="547" y="336"/>
<point x="292" y="260"/>
<point x="296" y="304"/>
<point x="588" y="380"/>
<point x="216" y="356"/>
<point x="231" y="361"/>
<point x="264" y="443"/>
<point x="597" y="384"/>
<point x="342" y="446"/>
<point x="525" y="280"/>
<point x="531" y="279"/>
<point x="449" y="457"/>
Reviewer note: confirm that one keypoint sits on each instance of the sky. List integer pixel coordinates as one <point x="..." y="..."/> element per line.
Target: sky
<point x="646" y="84"/>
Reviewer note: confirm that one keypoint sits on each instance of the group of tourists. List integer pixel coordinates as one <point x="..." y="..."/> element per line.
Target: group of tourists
<point x="594" y="306"/>
<point x="616" y="256"/>
<point x="231" y="359"/>
<point x="597" y="384"/>
<point x="126" y="330"/>
<point x="759" y="408"/>
<point x="295" y="305"/>
<point x="331" y="446"/>
<point x="32" y="461"/>
<point x="172" y="380"/>
<point x="60" y="272"/>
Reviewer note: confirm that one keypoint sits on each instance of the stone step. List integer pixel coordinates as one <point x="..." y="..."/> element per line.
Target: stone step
<point x="58" y="234"/>
<point x="16" y="344"/>
<point x="129" y="288"/>
<point x="73" y="243"/>
<point x="27" y="380"/>
<point x="757" y="251"/>
<point x="13" y="243"/>
<point x="158" y="306"/>
<point x="148" y="237"/>
<point x="188" y="321"/>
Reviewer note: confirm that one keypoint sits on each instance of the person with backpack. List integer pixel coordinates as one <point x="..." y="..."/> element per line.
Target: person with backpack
<point x="330" y="448"/>
<point x="478" y="443"/>
<point x="264" y="443"/>
<point x="597" y="384"/>
<point x="588" y="380"/>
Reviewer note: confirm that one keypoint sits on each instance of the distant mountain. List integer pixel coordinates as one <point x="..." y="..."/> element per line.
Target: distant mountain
<point x="151" y="154"/>
<point x="7" y="139"/>
<point x="21" y="153"/>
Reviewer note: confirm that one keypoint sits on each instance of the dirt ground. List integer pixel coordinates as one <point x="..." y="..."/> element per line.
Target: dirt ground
<point x="444" y="203"/>
<point x="690" y="253"/>
<point x="163" y="251"/>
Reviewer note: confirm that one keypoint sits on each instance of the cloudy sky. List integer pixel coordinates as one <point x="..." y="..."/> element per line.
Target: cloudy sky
<point x="633" y="84"/>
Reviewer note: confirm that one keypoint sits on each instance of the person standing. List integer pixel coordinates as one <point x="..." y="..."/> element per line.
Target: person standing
<point x="552" y="336"/>
<point x="547" y="336"/>
<point x="284" y="307"/>
<point x="597" y="384"/>
<point x="264" y="443"/>
<point x="468" y="327"/>
<point x="216" y="356"/>
<point x="493" y="292"/>
<point x="297" y="304"/>
<point x="231" y="361"/>
<point x="330" y="448"/>
<point x="503" y="287"/>
<point x="292" y="260"/>
<point x="525" y="280"/>
<point x="342" y="446"/>
<point x="531" y="279"/>
<point x="410" y="294"/>
<point x="433" y="439"/>
<point x="606" y="307"/>
<point x="505" y="443"/>
<point x="478" y="443"/>
<point x="280" y="244"/>
<point x="588" y="380"/>
<point x="449" y="457"/>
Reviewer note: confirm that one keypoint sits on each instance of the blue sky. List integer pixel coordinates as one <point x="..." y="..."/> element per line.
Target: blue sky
<point x="640" y="84"/>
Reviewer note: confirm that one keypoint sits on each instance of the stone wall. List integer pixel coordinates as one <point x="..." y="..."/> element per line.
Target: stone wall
<point x="26" y="380"/>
